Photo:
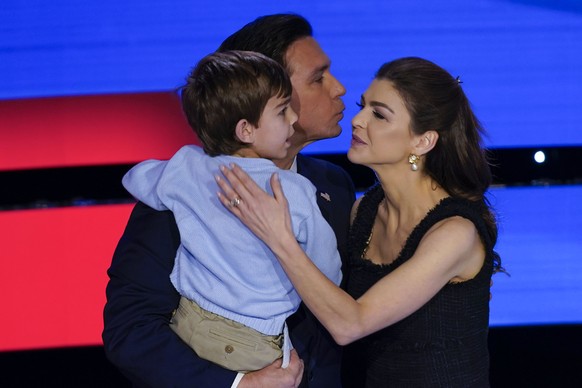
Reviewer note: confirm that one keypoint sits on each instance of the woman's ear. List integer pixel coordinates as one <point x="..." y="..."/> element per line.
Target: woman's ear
<point x="245" y="131"/>
<point x="426" y="142"/>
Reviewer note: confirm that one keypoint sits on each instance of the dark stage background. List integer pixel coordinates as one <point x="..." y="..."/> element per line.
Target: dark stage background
<point x="86" y="91"/>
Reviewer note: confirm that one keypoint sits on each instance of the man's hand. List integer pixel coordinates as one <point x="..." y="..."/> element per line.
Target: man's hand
<point x="273" y="376"/>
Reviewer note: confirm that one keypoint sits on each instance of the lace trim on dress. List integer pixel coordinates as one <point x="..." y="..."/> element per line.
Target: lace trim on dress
<point x="360" y="237"/>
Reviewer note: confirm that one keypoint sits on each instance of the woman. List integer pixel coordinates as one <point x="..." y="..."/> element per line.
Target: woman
<point x="416" y="307"/>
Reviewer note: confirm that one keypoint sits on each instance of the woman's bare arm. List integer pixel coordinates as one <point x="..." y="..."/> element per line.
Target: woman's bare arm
<point x="441" y="256"/>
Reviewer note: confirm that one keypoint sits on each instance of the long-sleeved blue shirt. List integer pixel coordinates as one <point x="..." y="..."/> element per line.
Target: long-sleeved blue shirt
<point x="220" y="264"/>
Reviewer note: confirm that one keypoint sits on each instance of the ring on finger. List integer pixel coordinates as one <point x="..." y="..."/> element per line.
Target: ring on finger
<point x="234" y="202"/>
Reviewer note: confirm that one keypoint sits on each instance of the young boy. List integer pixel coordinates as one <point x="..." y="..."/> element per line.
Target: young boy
<point x="235" y="295"/>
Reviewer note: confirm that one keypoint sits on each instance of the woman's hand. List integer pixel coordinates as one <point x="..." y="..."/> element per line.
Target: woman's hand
<point x="265" y="215"/>
<point x="268" y="217"/>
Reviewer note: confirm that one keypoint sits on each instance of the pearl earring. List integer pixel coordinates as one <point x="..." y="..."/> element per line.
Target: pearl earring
<point x="413" y="159"/>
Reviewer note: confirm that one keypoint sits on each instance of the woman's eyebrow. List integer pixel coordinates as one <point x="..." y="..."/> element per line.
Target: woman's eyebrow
<point x="381" y="104"/>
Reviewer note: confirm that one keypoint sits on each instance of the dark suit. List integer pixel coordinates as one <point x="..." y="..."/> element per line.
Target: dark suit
<point x="141" y="298"/>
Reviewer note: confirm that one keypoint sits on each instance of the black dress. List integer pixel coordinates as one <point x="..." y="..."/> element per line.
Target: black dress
<point x="444" y="343"/>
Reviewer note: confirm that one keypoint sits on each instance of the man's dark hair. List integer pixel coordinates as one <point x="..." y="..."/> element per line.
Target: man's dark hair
<point x="270" y="35"/>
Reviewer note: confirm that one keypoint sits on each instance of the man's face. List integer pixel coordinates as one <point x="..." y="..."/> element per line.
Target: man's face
<point x="316" y="92"/>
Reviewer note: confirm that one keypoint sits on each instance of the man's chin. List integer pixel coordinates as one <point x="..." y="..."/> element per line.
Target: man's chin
<point x="334" y="132"/>
<point x="329" y="133"/>
<point x="338" y="130"/>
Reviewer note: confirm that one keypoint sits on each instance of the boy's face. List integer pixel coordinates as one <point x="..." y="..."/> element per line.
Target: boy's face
<point x="275" y="128"/>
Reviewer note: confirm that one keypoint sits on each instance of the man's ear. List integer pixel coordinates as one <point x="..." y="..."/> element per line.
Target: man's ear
<point x="245" y="131"/>
<point x="425" y="142"/>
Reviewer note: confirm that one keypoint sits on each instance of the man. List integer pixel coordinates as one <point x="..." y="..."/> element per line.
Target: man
<point x="140" y="296"/>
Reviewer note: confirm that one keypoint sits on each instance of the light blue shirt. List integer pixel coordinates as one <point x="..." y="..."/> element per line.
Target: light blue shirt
<point x="220" y="264"/>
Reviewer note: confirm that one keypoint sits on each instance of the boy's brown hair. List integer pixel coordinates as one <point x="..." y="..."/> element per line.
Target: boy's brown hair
<point x="226" y="87"/>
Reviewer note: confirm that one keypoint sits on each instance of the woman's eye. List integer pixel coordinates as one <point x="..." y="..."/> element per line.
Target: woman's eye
<point x="360" y="105"/>
<point x="283" y="111"/>
<point x="378" y="115"/>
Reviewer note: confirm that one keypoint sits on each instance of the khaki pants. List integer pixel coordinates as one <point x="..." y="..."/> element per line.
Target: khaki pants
<point x="223" y="341"/>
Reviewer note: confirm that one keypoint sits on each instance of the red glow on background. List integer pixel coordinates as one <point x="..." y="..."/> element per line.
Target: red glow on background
<point x="91" y="130"/>
<point x="54" y="261"/>
<point x="53" y="277"/>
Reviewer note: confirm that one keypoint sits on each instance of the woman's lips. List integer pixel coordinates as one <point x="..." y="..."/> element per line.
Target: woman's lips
<point x="356" y="140"/>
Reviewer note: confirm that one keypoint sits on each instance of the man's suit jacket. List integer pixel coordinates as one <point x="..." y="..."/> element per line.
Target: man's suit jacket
<point x="141" y="298"/>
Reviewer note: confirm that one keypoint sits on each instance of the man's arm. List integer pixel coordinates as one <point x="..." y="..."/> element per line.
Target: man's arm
<point x="140" y="301"/>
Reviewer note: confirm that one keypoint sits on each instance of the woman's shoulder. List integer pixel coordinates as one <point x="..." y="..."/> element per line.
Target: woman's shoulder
<point x="457" y="228"/>
<point x="455" y="208"/>
<point x="452" y="219"/>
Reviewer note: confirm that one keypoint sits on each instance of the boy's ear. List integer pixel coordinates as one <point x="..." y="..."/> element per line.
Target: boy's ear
<point x="245" y="131"/>
<point x="426" y="142"/>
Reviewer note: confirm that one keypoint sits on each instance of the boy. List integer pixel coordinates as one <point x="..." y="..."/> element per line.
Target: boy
<point x="235" y="295"/>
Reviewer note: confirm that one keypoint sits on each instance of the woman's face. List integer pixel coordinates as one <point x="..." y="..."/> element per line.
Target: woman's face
<point x="381" y="132"/>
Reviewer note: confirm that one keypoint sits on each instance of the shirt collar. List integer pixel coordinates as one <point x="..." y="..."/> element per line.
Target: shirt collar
<point x="294" y="165"/>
